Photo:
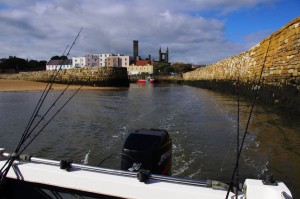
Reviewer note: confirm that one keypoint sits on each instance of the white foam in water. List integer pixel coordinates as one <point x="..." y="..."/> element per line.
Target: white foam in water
<point x="86" y="158"/>
<point x="185" y="166"/>
<point x="195" y="173"/>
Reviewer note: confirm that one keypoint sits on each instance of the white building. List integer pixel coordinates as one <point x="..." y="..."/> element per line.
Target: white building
<point x="125" y="61"/>
<point x="117" y="61"/>
<point x="92" y="60"/>
<point x="102" y="59"/>
<point x="78" y="62"/>
<point x="57" y="64"/>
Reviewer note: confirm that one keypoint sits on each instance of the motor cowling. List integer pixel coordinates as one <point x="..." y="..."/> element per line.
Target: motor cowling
<point x="149" y="150"/>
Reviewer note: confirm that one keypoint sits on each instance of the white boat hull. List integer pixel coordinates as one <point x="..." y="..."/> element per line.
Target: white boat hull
<point x="122" y="184"/>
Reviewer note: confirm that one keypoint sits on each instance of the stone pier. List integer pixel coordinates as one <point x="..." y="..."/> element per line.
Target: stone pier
<point x="93" y="76"/>
<point x="277" y="57"/>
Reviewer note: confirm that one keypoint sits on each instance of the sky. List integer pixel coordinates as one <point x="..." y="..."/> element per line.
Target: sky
<point x="194" y="31"/>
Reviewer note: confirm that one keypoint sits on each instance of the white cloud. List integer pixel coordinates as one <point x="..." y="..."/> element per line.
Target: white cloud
<point x="40" y="29"/>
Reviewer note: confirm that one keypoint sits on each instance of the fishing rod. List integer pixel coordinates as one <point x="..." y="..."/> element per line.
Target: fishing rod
<point x="52" y="78"/>
<point x="65" y="49"/>
<point x="31" y="120"/>
<point x="45" y="93"/>
<point x="238" y="136"/>
<point x="28" y="134"/>
<point x="39" y="132"/>
<point x="15" y="155"/>
<point x="37" y="108"/>
<point x="4" y="170"/>
<point x="248" y="122"/>
<point x="74" y="41"/>
<point x="45" y="114"/>
<point x="52" y="105"/>
<point x="41" y="101"/>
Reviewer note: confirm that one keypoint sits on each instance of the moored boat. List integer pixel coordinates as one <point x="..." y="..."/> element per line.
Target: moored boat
<point x="146" y="81"/>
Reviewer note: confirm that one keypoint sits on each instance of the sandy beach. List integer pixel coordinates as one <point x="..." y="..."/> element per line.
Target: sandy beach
<point x="22" y="85"/>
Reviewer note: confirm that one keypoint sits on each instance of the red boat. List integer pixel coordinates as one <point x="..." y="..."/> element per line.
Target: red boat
<point x="145" y="81"/>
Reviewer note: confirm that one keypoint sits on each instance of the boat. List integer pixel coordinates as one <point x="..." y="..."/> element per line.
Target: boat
<point x="146" y="81"/>
<point x="144" y="173"/>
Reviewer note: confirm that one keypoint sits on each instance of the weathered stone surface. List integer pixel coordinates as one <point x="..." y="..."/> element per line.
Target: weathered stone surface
<point x="96" y="76"/>
<point x="279" y="57"/>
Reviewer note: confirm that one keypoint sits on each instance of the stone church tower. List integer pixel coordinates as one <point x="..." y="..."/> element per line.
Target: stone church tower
<point x="163" y="57"/>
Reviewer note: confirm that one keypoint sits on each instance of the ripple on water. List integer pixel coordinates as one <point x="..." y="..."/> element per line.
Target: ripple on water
<point x="201" y="124"/>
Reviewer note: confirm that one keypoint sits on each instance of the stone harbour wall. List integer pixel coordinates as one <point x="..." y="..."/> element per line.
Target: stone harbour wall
<point x="93" y="76"/>
<point x="278" y="55"/>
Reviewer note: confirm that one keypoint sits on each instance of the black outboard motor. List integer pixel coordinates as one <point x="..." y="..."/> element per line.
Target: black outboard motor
<point x="149" y="150"/>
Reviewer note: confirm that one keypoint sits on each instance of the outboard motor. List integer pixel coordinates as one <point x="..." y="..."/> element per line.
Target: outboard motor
<point x="149" y="150"/>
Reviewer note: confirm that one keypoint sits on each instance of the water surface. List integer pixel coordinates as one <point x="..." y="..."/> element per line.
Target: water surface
<point x="202" y="124"/>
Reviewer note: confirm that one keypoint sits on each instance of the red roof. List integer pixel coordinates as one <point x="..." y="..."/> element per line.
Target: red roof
<point x="143" y="62"/>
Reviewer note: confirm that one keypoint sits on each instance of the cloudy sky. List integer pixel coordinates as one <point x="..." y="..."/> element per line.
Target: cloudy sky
<point x="195" y="31"/>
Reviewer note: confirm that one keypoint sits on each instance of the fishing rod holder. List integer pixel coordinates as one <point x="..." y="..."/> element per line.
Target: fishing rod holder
<point x="143" y="175"/>
<point x="10" y="155"/>
<point x="150" y="178"/>
<point x="268" y="179"/>
<point x="2" y="151"/>
<point x="66" y="164"/>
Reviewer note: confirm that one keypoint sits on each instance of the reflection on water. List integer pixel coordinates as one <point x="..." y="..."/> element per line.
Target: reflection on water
<point x="201" y="123"/>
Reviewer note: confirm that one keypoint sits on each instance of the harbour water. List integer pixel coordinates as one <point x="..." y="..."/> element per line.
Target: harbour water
<point x="202" y="123"/>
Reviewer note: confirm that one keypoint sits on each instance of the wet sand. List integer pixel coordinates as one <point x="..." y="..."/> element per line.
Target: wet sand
<point x="22" y="85"/>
